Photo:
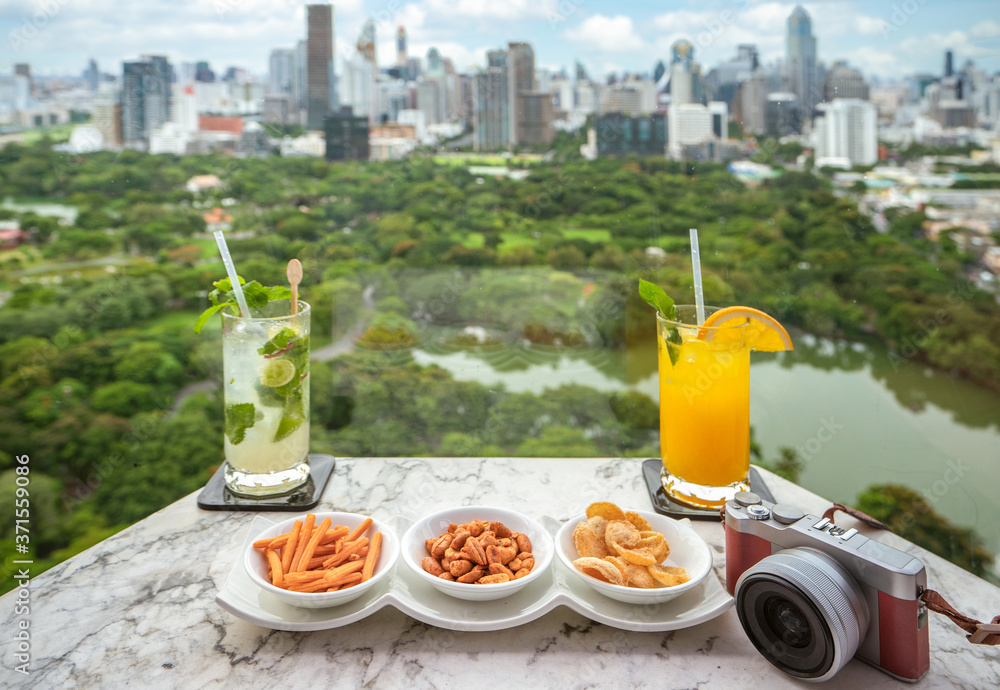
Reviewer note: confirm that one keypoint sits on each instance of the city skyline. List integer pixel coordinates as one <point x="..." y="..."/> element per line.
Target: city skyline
<point x="901" y="39"/>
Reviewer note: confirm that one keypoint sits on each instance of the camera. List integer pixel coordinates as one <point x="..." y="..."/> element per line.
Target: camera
<point x="811" y="596"/>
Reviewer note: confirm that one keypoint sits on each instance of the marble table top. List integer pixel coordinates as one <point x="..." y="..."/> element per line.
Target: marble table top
<point x="139" y="608"/>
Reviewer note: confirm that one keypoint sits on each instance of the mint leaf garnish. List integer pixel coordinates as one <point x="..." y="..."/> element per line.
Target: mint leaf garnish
<point x="659" y="299"/>
<point x="239" y="418"/>
<point x="257" y="296"/>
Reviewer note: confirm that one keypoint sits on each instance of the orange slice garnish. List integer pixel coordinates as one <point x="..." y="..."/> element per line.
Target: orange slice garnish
<point x="763" y="334"/>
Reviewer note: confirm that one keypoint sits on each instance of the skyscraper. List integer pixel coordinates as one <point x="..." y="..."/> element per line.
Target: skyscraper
<point x="92" y="76"/>
<point x="281" y="72"/>
<point x="681" y="78"/>
<point x="521" y="78"/>
<point x="321" y="96"/>
<point x="145" y="98"/>
<point x="800" y="61"/>
<point x="492" y="103"/>
<point x="949" y="65"/>
<point x="435" y="65"/>
<point x="843" y="81"/>
<point x="401" y="48"/>
<point x="848" y="131"/>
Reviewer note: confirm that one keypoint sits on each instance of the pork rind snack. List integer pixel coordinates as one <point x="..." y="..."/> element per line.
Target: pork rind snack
<point x="621" y="548"/>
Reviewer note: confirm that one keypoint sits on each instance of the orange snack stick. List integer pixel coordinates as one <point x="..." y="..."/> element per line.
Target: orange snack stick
<point x="289" y="550"/>
<point x="304" y="536"/>
<point x="272" y="542"/>
<point x="359" y="530"/>
<point x="317" y="534"/>
<point x="372" y="557"/>
<point x="277" y="574"/>
<point x="338" y="558"/>
<point x="333" y="535"/>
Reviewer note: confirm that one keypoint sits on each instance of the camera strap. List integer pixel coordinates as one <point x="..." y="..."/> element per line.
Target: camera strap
<point x="856" y="514"/>
<point x="979" y="633"/>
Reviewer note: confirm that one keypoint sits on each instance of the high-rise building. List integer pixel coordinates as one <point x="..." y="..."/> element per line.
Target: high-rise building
<point x="281" y="72"/>
<point x="401" y="57"/>
<point x="299" y="86"/>
<point x="534" y="121"/>
<point x="693" y="124"/>
<point x="431" y="99"/>
<point x="23" y="69"/>
<point x="949" y="65"/>
<point x="91" y="75"/>
<point x="491" y="101"/>
<point x="321" y="96"/>
<point x="435" y="64"/>
<point x="107" y="118"/>
<point x="782" y="114"/>
<point x="723" y="81"/>
<point x="617" y="134"/>
<point x="346" y="135"/>
<point x="521" y="78"/>
<point x="203" y="73"/>
<point x="753" y="100"/>
<point x="186" y="110"/>
<point x="844" y="82"/>
<point x="800" y="61"/>
<point x="145" y="99"/>
<point x="681" y="77"/>
<point x="163" y="74"/>
<point x="659" y="71"/>
<point x="847" y="133"/>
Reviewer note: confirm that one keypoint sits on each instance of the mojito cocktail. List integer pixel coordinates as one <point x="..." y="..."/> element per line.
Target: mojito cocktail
<point x="266" y="384"/>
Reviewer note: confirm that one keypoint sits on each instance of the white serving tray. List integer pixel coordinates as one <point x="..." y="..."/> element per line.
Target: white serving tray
<point x="404" y="591"/>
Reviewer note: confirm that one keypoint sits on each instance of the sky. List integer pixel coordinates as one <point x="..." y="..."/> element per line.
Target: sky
<point x="888" y="39"/>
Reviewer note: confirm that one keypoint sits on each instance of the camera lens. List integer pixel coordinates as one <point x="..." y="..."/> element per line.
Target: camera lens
<point x="803" y="612"/>
<point x="788" y="623"/>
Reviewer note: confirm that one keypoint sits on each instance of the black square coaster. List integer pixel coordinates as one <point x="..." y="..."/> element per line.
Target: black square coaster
<point x="215" y="495"/>
<point x="663" y="504"/>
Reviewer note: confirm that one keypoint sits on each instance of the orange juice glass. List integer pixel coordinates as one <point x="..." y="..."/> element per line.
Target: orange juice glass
<point x="704" y="409"/>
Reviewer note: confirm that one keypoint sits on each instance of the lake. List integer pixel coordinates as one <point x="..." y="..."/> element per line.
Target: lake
<point x="857" y="415"/>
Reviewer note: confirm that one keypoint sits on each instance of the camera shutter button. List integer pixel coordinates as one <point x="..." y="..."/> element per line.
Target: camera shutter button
<point x="787" y="514"/>
<point x="758" y="512"/>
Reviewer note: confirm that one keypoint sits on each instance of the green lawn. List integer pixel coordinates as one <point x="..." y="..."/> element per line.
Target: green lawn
<point x="57" y="133"/>
<point x="601" y="236"/>
<point x="178" y="320"/>
<point x="472" y="240"/>
<point x="512" y="240"/>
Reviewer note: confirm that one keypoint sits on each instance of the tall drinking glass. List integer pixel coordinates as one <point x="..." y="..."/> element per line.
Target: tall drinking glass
<point x="704" y="409"/>
<point x="265" y="378"/>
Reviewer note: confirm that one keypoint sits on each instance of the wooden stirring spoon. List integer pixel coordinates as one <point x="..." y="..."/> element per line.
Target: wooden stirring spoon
<point x="294" y="273"/>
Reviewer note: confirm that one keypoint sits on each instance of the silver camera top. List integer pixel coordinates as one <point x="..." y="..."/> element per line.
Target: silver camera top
<point x="786" y="526"/>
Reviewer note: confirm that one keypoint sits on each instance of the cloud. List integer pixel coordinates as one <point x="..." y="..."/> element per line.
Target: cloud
<point x="606" y="34"/>
<point x="985" y="30"/>
<point x="506" y="10"/>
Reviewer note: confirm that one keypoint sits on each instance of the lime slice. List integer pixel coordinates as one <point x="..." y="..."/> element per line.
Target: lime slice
<point x="276" y="373"/>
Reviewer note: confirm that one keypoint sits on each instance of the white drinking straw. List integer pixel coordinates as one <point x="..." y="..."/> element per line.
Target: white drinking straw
<point x="699" y="295"/>
<point x="227" y="259"/>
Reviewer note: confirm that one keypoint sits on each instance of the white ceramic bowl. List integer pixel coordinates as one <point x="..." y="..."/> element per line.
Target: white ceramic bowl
<point x="414" y="550"/>
<point x="256" y="564"/>
<point x="687" y="550"/>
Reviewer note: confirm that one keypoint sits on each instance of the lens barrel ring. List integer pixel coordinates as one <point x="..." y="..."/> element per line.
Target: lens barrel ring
<point x="832" y="599"/>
